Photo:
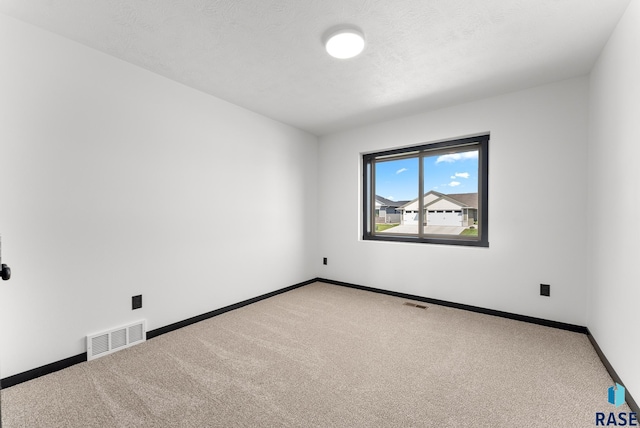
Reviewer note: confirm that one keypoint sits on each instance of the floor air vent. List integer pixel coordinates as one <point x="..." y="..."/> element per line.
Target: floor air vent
<point x="415" y="305"/>
<point x="110" y="341"/>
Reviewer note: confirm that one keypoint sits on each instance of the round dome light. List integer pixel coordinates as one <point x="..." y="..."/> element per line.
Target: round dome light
<point x="344" y="43"/>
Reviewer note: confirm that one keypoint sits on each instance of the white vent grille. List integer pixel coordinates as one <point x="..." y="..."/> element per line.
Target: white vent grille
<point x="107" y="342"/>
<point x="118" y="338"/>
<point x="100" y="344"/>
<point x="136" y="332"/>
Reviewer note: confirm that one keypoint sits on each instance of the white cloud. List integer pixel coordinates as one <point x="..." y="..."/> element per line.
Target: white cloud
<point x="454" y="184"/>
<point x="401" y="170"/>
<point x="457" y="156"/>
<point x="391" y="198"/>
<point x="461" y="175"/>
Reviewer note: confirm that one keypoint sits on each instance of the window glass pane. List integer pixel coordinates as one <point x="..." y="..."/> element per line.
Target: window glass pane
<point x="451" y="194"/>
<point x="396" y="186"/>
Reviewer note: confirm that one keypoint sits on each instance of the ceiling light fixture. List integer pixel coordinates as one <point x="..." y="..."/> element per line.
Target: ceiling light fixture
<point x="344" y="41"/>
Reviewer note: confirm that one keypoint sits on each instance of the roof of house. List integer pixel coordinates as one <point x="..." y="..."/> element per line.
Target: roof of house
<point x="466" y="200"/>
<point x="470" y="200"/>
<point x="388" y="202"/>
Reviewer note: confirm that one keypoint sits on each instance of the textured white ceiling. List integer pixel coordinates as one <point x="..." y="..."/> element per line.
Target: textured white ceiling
<point x="267" y="55"/>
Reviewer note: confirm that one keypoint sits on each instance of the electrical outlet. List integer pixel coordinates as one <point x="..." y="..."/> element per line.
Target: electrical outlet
<point x="545" y="290"/>
<point x="136" y="302"/>
<point x="324" y="261"/>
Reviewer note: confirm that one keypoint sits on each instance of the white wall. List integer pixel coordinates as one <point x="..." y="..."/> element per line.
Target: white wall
<point x="614" y="199"/>
<point x="115" y="182"/>
<point x="537" y="204"/>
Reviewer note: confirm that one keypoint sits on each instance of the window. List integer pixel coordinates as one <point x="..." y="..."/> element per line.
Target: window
<point x="439" y="191"/>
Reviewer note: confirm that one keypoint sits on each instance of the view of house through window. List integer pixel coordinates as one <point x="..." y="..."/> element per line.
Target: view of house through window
<point x="434" y="193"/>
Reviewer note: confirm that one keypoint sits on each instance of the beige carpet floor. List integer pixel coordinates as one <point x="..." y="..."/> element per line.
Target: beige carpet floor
<point x="329" y="356"/>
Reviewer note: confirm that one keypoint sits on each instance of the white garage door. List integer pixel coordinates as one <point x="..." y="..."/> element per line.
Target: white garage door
<point x="410" y="217"/>
<point x="444" y="218"/>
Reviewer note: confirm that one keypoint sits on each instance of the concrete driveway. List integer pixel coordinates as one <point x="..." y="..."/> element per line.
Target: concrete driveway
<point x="429" y="230"/>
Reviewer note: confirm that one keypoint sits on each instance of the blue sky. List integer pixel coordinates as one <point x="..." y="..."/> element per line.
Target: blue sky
<point x="453" y="173"/>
